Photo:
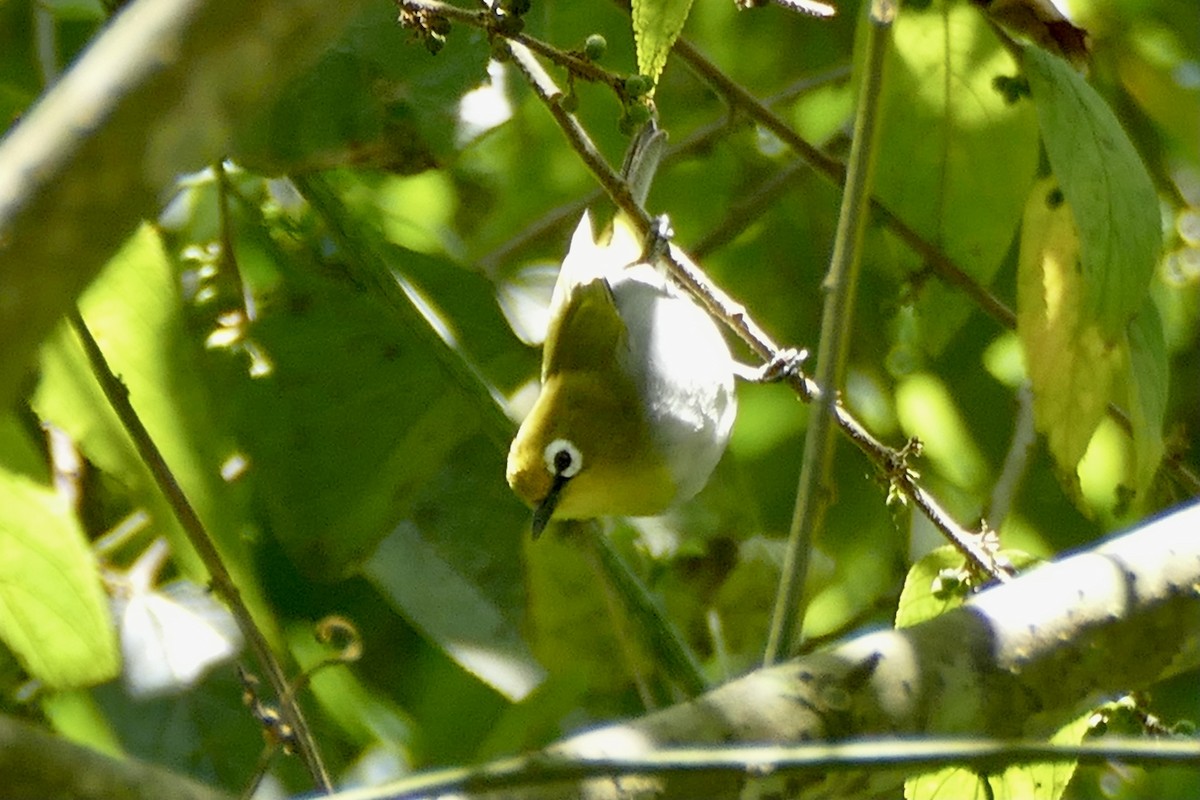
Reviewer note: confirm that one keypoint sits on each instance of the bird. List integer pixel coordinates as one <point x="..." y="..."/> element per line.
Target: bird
<point x="637" y="398"/>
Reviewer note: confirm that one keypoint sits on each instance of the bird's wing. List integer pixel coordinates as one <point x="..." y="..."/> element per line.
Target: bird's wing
<point x="585" y="333"/>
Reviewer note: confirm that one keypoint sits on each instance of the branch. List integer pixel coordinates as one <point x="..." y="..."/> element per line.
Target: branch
<point x="158" y="93"/>
<point x="710" y="767"/>
<point x="1017" y="662"/>
<point x="841" y="284"/>
<point x="891" y="462"/>
<point x="222" y="582"/>
<point x="35" y="765"/>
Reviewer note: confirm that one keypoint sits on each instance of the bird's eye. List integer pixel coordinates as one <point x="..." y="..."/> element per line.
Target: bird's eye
<point x="563" y="458"/>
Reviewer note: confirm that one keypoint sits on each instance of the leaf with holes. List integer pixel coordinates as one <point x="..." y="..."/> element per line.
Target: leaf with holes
<point x="956" y="155"/>
<point x="1107" y="187"/>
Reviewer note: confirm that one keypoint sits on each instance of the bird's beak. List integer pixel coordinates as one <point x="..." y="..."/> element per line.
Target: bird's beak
<point x="545" y="509"/>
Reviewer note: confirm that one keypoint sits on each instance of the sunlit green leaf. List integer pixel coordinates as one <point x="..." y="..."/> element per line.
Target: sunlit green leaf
<point x="940" y="581"/>
<point x="135" y="312"/>
<point x="1020" y="782"/>
<point x="934" y="585"/>
<point x="955" y="157"/>
<point x="656" y="26"/>
<point x="1108" y="189"/>
<point x="53" y="614"/>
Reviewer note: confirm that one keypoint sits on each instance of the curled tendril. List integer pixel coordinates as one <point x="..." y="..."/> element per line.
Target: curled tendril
<point x="338" y="632"/>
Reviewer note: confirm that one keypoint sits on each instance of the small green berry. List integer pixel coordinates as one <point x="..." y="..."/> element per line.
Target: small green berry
<point x="638" y="85"/>
<point x="625" y="125"/>
<point x="638" y="113"/>
<point x="569" y="102"/>
<point x="594" y="47"/>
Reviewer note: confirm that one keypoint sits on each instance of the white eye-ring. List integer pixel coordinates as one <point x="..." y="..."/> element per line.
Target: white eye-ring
<point x="563" y="459"/>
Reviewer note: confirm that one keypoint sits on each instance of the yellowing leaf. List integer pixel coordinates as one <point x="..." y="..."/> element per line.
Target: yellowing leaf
<point x="656" y="26"/>
<point x="1071" y="361"/>
<point x="53" y="614"/>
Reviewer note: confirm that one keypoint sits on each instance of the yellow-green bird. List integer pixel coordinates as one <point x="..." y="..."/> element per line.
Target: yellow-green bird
<point x="637" y="398"/>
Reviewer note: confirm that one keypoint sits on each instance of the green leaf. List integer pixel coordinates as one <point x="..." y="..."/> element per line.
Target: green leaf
<point x="938" y="582"/>
<point x="1111" y="195"/>
<point x="18" y="452"/>
<point x="135" y="312"/>
<point x="351" y="422"/>
<point x="376" y="98"/>
<point x="1071" y="363"/>
<point x="53" y="614"/>
<point x="572" y="627"/>
<point x="452" y="609"/>
<point x="1019" y="782"/>
<point x="656" y="26"/>
<point x="1149" y="378"/>
<point x="955" y="158"/>
<point x="925" y="595"/>
<point x="77" y="9"/>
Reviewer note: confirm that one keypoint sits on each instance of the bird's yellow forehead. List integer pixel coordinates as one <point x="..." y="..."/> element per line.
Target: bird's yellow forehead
<point x="527" y="473"/>
<point x="620" y="473"/>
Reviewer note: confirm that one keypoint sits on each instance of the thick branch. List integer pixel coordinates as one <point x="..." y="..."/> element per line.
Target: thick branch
<point x="36" y="765"/>
<point x="1017" y="661"/>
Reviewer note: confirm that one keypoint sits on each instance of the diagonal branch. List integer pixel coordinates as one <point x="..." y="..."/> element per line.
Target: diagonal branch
<point x="222" y="582"/>
<point x="890" y="462"/>
<point x="1015" y="663"/>
<point x="840" y="286"/>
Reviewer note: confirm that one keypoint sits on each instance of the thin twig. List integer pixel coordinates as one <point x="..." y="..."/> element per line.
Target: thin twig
<point x="749" y="209"/>
<point x="832" y="169"/>
<point x="222" y="582"/>
<point x="773" y="760"/>
<point x="577" y="65"/>
<point x="813" y="492"/>
<point x="698" y="141"/>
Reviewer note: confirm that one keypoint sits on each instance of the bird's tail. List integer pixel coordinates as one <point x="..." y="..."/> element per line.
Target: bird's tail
<point x="642" y="158"/>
